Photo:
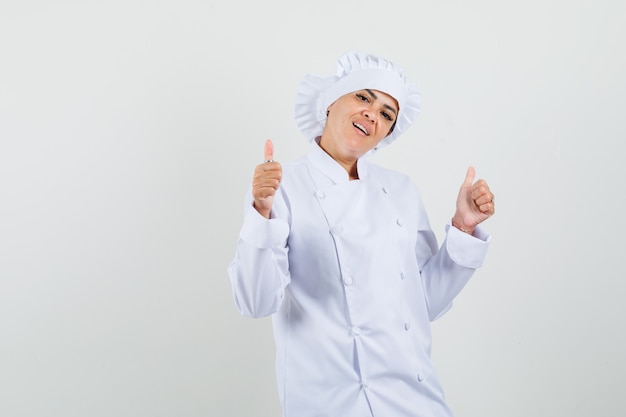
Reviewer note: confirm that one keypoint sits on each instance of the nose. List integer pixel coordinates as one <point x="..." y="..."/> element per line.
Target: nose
<point x="369" y="114"/>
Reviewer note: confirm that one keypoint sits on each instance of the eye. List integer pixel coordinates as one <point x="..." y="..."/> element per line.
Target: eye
<point x="362" y="97"/>
<point x="387" y="116"/>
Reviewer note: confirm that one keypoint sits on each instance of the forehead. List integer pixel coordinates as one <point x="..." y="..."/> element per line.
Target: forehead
<point x="380" y="96"/>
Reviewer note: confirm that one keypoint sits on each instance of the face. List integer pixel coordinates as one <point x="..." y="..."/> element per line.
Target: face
<point x="357" y="122"/>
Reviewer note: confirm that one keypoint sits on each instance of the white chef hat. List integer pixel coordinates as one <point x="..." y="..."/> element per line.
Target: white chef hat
<point x="355" y="71"/>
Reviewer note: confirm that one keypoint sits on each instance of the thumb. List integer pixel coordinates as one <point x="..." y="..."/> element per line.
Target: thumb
<point x="269" y="150"/>
<point x="469" y="176"/>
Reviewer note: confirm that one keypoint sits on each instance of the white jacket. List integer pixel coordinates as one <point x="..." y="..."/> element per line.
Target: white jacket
<point x="351" y="272"/>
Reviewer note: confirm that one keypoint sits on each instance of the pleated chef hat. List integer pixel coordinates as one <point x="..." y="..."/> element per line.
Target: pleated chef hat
<point x="355" y="71"/>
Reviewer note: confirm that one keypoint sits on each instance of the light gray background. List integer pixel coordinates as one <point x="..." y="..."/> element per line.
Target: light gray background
<point x="128" y="135"/>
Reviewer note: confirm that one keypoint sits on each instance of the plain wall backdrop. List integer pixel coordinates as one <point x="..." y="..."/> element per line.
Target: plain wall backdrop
<point x="129" y="131"/>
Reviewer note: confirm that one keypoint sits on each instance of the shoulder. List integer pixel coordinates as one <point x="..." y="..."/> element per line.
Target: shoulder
<point x="390" y="177"/>
<point x="294" y="168"/>
<point x="294" y="165"/>
<point x="295" y="176"/>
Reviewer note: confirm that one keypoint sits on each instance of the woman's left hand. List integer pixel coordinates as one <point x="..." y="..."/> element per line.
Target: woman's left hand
<point x="474" y="204"/>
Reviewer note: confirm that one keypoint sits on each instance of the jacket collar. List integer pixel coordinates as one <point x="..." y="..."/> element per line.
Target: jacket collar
<point x="331" y="168"/>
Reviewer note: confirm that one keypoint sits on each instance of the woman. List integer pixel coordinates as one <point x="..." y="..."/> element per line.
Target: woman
<point x="340" y="252"/>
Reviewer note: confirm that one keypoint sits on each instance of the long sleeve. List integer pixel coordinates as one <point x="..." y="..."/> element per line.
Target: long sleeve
<point x="259" y="271"/>
<point x="446" y="269"/>
<point x="445" y="273"/>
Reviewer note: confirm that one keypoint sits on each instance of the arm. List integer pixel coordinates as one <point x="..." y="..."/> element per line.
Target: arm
<point x="445" y="271"/>
<point x="259" y="272"/>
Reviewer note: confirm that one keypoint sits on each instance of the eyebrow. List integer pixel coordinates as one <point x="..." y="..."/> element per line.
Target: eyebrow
<point x="371" y="93"/>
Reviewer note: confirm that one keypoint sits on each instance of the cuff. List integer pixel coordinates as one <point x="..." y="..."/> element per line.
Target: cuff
<point x="263" y="233"/>
<point x="467" y="250"/>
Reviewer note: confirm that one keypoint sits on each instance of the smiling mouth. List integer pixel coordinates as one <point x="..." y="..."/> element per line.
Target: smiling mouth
<point x="361" y="128"/>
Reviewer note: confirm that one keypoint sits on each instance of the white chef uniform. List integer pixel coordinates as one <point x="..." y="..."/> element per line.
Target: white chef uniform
<point x="352" y="275"/>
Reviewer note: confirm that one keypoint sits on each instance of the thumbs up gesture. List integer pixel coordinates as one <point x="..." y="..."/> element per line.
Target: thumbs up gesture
<point x="474" y="204"/>
<point x="265" y="182"/>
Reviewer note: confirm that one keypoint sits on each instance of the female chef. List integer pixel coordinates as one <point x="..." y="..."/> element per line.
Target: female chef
<point x="339" y="251"/>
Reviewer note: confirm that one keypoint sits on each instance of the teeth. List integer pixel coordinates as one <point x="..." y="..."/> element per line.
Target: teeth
<point x="361" y="128"/>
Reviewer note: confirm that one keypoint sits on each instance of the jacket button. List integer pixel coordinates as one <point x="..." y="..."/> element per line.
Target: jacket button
<point x="320" y="194"/>
<point x="407" y="325"/>
<point x="347" y="281"/>
<point x="420" y="377"/>
<point x="399" y="222"/>
<point x="356" y="330"/>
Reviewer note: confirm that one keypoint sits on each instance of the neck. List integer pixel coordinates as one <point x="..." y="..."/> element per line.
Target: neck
<point x="348" y="163"/>
<point x="353" y="174"/>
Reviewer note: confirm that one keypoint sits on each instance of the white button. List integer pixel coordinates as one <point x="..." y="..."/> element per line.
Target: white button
<point x="347" y="280"/>
<point x="356" y="330"/>
<point x="320" y="194"/>
<point x="336" y="230"/>
<point x="385" y="190"/>
<point x="402" y="276"/>
<point x="407" y="325"/>
<point x="420" y="377"/>
<point x="364" y="384"/>
<point x="399" y="222"/>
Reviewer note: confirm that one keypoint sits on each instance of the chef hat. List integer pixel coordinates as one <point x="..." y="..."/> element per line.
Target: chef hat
<point x="355" y="71"/>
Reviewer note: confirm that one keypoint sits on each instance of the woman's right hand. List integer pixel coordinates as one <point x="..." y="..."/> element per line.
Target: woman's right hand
<point x="265" y="182"/>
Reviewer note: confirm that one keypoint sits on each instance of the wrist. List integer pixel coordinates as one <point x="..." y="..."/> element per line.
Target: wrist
<point x="265" y="212"/>
<point x="462" y="227"/>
